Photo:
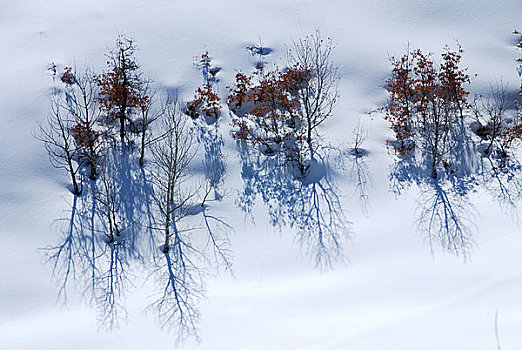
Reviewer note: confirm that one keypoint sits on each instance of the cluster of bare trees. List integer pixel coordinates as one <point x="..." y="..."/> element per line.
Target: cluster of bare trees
<point x="449" y="144"/>
<point x="132" y="155"/>
<point x="133" y="159"/>
<point x="129" y="154"/>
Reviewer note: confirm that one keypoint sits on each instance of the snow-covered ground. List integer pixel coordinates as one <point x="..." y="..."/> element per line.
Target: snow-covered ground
<point x="391" y="293"/>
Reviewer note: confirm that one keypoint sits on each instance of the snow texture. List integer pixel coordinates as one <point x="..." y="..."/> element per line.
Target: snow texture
<point x="390" y="289"/>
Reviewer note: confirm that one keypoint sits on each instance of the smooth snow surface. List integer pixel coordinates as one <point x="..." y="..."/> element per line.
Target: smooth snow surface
<point x="390" y="293"/>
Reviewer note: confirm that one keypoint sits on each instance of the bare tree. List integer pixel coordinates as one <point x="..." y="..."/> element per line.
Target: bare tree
<point x="491" y="114"/>
<point x="57" y="136"/>
<point x="319" y="93"/>
<point x="81" y="102"/>
<point x="70" y="134"/>
<point x="179" y="268"/>
<point x="360" y="133"/>
<point x="175" y="269"/>
<point x="108" y="200"/>
<point x="359" y="173"/>
<point x="171" y="155"/>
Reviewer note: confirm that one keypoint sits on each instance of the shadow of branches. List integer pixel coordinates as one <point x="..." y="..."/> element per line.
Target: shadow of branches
<point x="445" y="217"/>
<point x="310" y="204"/>
<point x="444" y="213"/>
<point x="112" y="230"/>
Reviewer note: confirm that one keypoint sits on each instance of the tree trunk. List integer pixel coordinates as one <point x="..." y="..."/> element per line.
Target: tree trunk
<point x="142" y="154"/>
<point x="93" y="170"/>
<point x="167" y="238"/>
<point x="167" y="231"/>
<point x="76" y="188"/>
<point x="122" y="126"/>
<point x="309" y="133"/>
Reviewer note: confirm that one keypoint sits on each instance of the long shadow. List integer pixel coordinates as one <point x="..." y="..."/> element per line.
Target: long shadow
<point x="405" y="173"/>
<point x="358" y="174"/>
<point x="112" y="229"/>
<point x="504" y="184"/>
<point x="214" y="162"/>
<point x="463" y="167"/>
<point x="445" y="217"/>
<point x="110" y="285"/>
<point x="444" y="213"/>
<point x="179" y="273"/>
<point x="85" y="260"/>
<point x="180" y="287"/>
<point x="134" y="191"/>
<point x="70" y="257"/>
<point x="309" y="204"/>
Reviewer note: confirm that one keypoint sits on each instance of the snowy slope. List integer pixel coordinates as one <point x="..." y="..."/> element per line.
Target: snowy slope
<point x="390" y="294"/>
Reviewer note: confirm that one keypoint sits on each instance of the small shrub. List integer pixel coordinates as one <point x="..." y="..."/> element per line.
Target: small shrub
<point x="426" y="105"/>
<point x="206" y="102"/>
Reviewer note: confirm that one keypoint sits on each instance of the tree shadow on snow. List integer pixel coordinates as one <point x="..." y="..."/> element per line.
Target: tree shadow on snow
<point x="445" y="217"/>
<point x="444" y="213"/>
<point x="90" y="259"/>
<point x="504" y="184"/>
<point x="353" y="162"/>
<point x="84" y="261"/>
<point x="310" y="204"/>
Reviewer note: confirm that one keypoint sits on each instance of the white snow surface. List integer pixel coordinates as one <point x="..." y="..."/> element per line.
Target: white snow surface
<point x="391" y="293"/>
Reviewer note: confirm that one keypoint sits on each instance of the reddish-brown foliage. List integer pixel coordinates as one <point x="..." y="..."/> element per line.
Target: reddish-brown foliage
<point x="453" y="79"/>
<point x="67" y="77"/>
<point x="117" y="95"/>
<point x="238" y="95"/>
<point x="400" y="109"/>
<point x="121" y="88"/>
<point x="206" y="102"/>
<point x="272" y="116"/>
<point x="421" y="91"/>
<point x="84" y="136"/>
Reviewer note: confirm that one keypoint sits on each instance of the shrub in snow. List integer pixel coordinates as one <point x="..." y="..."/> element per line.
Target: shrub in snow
<point x="279" y="110"/>
<point x="275" y="117"/>
<point x="427" y="110"/>
<point x="273" y="123"/>
<point x="426" y="106"/>
<point x="206" y="102"/>
<point x="148" y="213"/>
<point x="499" y="128"/>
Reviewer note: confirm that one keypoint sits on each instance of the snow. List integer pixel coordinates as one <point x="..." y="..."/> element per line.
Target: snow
<point x="390" y="293"/>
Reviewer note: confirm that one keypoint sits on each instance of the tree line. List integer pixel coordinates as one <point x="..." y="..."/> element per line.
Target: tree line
<point x="132" y="155"/>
